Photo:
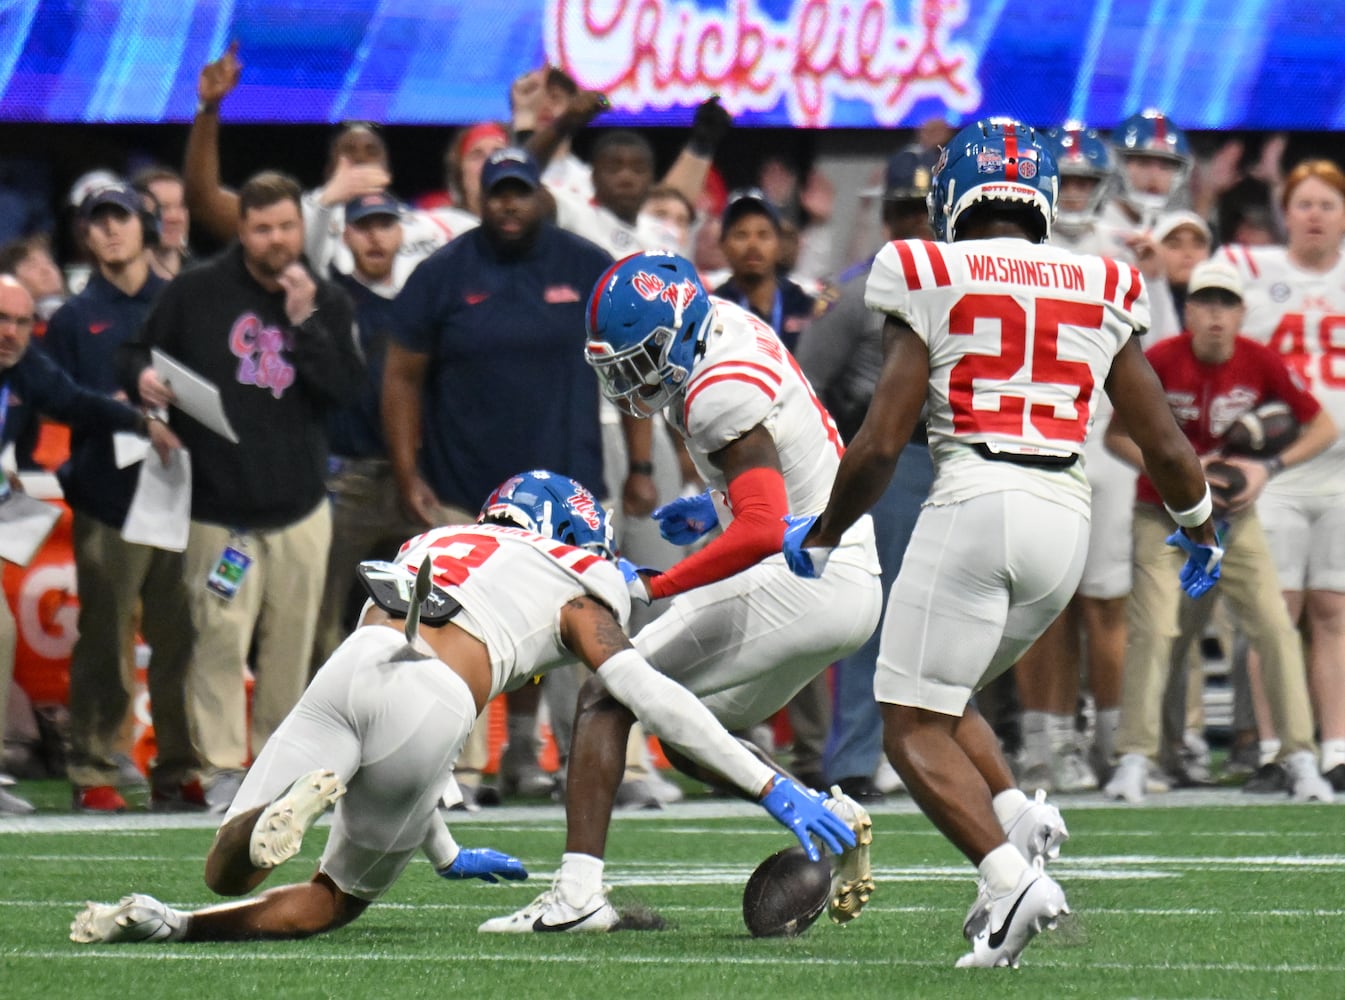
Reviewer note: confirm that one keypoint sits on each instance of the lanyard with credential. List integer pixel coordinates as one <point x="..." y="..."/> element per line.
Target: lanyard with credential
<point x="4" y="411"/>
<point x="777" y="310"/>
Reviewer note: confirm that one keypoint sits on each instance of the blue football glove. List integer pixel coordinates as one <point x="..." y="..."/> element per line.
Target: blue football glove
<point x="636" y="584"/>
<point x="809" y="562"/>
<point x="1201" y="571"/>
<point x="802" y="812"/>
<point x="687" y="518"/>
<point x="485" y="864"/>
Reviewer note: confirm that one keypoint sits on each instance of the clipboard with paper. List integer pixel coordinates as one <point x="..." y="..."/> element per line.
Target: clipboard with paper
<point x="195" y="396"/>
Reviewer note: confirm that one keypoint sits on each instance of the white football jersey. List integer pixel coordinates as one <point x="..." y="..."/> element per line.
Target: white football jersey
<point x="1301" y="315"/>
<point x="744" y="378"/>
<point x="1021" y="338"/>
<point x="586" y="218"/>
<point x="512" y="584"/>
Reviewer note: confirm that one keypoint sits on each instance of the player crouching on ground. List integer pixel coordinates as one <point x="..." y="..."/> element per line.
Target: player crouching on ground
<point x="1007" y="339"/>
<point x="532" y="586"/>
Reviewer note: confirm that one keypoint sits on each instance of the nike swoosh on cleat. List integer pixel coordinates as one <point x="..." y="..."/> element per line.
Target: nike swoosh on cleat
<point x="997" y="936"/>
<point x="542" y="926"/>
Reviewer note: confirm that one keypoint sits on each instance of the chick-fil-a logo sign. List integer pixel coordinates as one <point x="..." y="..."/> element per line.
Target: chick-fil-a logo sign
<point x="662" y="53"/>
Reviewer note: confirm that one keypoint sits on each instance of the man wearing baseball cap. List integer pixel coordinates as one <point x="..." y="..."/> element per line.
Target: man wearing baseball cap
<point x="1212" y="375"/>
<point x="367" y="518"/>
<point x="842" y="354"/>
<point x="485" y="375"/>
<point x="750" y="236"/>
<point x="116" y="577"/>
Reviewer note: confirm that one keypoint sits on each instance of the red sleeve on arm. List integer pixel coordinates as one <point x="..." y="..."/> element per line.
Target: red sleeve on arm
<point x="759" y="503"/>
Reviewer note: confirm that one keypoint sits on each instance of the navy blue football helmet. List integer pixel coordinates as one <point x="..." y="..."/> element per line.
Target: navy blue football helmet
<point x="1151" y="133"/>
<point x="996" y="159"/>
<point x="646" y="322"/>
<point x="1080" y="152"/>
<point x="553" y="505"/>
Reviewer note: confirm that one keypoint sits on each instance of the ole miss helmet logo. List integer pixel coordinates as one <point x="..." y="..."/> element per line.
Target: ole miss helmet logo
<point x="583" y="504"/>
<point x="652" y="288"/>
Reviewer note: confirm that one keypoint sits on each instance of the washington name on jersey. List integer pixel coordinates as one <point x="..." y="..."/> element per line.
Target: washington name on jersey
<point x="511" y="583"/>
<point x="1021" y="338"/>
<point x="745" y="378"/>
<point x="1301" y="316"/>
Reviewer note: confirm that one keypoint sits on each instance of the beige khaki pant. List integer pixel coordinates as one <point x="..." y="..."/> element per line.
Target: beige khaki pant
<point x="114" y="577"/>
<point x="1249" y="584"/>
<point x="367" y="517"/>
<point x="9" y="642"/>
<point x="275" y="612"/>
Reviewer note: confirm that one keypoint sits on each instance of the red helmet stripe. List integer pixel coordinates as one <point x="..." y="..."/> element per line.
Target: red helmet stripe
<point x="1010" y="153"/>
<point x="596" y="296"/>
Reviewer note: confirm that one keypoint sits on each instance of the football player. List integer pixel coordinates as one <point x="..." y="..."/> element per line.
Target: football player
<point x="741" y="632"/>
<point x="1008" y="340"/>
<point x="1296" y="304"/>
<point x="1155" y="166"/>
<point x="530" y="587"/>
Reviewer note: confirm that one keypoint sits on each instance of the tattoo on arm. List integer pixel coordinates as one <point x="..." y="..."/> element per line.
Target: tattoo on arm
<point x="591" y="631"/>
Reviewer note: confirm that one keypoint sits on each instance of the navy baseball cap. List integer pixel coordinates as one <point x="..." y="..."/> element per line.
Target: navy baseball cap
<point x="119" y="195"/>
<point x="749" y="201"/>
<point x="909" y="174"/>
<point x="367" y="205"/>
<point x="510" y="163"/>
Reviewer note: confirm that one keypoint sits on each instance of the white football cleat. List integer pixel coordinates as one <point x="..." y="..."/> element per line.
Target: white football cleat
<point x="1037" y="830"/>
<point x="135" y="918"/>
<point x="852" y="875"/>
<point x="549" y="913"/>
<point x="1014" y="919"/>
<point x="1130" y="779"/>
<point x="279" y="831"/>
<point x="1306" y="783"/>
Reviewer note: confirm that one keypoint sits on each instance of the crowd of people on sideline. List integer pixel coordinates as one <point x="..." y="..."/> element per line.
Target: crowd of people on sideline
<point x="388" y="361"/>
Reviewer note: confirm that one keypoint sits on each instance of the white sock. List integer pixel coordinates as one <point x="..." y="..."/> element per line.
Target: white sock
<point x="1002" y="868"/>
<point x="1007" y="804"/>
<point x="1333" y="754"/>
<point x="1270" y="749"/>
<point x="580" y="878"/>
<point x="1104" y="733"/>
<point x="1063" y="733"/>
<point x="1036" y="728"/>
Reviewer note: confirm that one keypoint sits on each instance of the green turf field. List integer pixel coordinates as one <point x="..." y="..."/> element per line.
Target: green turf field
<point x="1201" y="896"/>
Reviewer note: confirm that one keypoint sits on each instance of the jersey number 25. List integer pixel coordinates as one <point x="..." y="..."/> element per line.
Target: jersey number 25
<point x="1047" y="368"/>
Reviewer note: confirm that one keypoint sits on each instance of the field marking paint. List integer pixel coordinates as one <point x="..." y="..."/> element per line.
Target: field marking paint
<point x="160" y="953"/>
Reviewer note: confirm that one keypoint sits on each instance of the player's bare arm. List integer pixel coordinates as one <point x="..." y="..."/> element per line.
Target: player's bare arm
<point x="1168" y="458"/>
<point x="754" y="450"/>
<point x="212" y="205"/>
<point x="590" y="630"/>
<point x="870" y="459"/>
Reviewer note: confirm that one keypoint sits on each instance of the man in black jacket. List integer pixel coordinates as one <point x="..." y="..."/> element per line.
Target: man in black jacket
<point x="279" y="345"/>
<point x="29" y="378"/>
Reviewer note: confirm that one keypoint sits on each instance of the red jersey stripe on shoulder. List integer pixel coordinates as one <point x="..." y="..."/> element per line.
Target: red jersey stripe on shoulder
<point x="1228" y="252"/>
<point x="1113" y="279"/>
<point x="1251" y="262"/>
<point x="581" y="565"/>
<point x="908" y="264"/>
<point x="722" y="367"/>
<point x="769" y="390"/>
<point x="1135" y="285"/>
<point x="941" y="278"/>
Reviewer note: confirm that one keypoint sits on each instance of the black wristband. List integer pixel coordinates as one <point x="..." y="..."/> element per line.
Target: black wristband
<point x="641" y="468"/>
<point x="1274" y="465"/>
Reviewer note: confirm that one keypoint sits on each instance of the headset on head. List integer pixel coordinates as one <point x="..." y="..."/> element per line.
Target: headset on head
<point x="150" y="216"/>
